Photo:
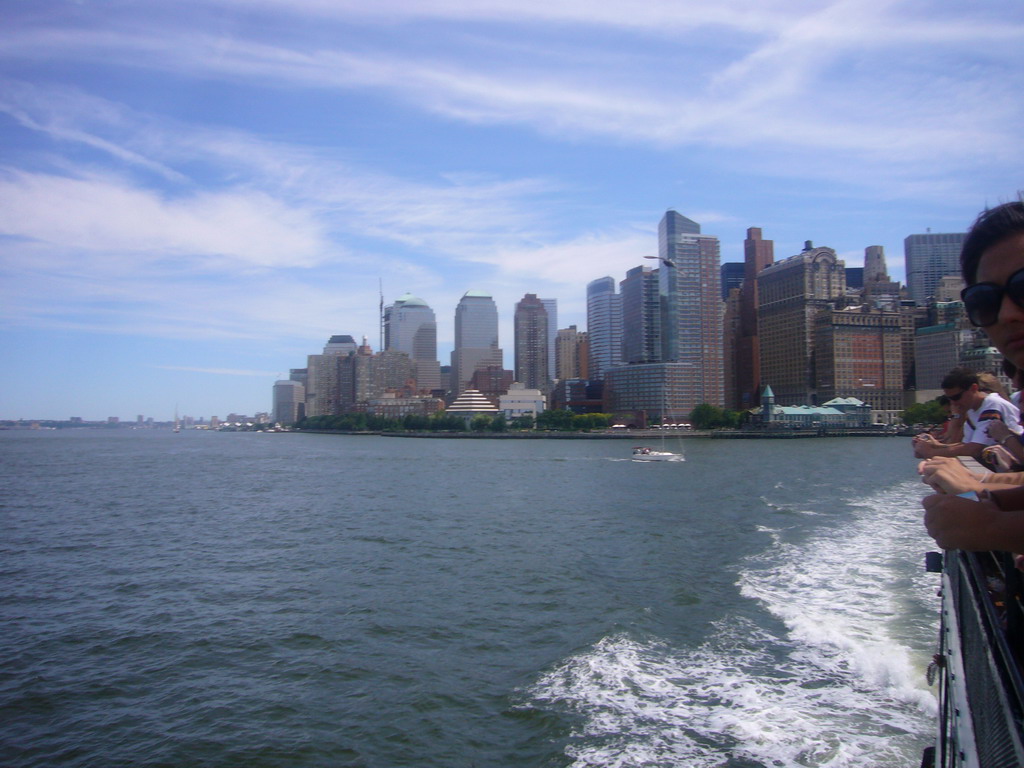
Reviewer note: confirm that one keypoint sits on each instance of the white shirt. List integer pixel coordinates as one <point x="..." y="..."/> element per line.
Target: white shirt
<point x="993" y="407"/>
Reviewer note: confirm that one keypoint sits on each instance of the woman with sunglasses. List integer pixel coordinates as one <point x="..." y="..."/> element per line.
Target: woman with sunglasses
<point x="992" y="261"/>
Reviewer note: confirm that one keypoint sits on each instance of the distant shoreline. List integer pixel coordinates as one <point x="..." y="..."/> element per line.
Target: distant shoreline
<point x="634" y="435"/>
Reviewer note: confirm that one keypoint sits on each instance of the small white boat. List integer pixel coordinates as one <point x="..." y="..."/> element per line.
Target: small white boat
<point x="646" y="454"/>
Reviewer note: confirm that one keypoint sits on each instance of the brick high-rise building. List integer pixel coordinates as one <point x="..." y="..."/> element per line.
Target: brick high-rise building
<point x="570" y="354"/>
<point x="858" y="352"/>
<point x="531" y="342"/>
<point x="758" y="253"/>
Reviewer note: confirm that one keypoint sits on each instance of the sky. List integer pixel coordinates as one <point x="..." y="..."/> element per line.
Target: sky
<point x="194" y="196"/>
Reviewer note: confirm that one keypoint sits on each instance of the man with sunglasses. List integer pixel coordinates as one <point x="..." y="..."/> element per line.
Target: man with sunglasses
<point x="979" y="407"/>
<point x="992" y="261"/>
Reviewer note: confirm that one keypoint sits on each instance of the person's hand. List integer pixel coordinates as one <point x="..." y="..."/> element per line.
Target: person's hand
<point x="948" y="475"/>
<point x="958" y="523"/>
<point x="998" y="430"/>
<point x="925" y="449"/>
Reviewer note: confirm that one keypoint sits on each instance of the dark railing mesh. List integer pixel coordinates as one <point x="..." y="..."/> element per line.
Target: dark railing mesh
<point x="987" y="601"/>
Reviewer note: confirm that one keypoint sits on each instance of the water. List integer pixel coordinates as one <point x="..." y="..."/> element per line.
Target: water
<point x="232" y="599"/>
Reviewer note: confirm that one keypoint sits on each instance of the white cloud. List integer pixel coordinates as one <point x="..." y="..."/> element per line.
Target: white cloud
<point x="797" y="77"/>
<point x="126" y="224"/>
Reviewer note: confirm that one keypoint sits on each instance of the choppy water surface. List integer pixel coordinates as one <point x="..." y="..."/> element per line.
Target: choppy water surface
<point x="212" y="599"/>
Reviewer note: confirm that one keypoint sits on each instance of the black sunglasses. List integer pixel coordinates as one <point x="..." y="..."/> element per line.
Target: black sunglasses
<point x="983" y="300"/>
<point x="956" y="398"/>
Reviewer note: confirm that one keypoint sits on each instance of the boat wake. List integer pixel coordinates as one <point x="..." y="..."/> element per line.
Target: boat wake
<point x="827" y="677"/>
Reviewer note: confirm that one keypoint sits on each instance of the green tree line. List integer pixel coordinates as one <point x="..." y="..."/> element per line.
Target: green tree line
<point x="558" y="420"/>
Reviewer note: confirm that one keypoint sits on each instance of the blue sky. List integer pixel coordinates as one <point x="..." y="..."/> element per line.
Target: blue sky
<point x="195" y="195"/>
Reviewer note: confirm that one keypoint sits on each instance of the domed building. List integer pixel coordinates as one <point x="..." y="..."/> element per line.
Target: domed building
<point x="410" y="327"/>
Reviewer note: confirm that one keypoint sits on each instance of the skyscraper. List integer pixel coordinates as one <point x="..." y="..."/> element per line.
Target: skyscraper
<point x="641" y="316"/>
<point x="551" y="307"/>
<point x="929" y="258"/>
<point x="476" y="339"/>
<point x="733" y="274"/>
<point x="323" y="382"/>
<point x="758" y="253"/>
<point x="531" y="340"/>
<point x="570" y="353"/>
<point x="410" y="327"/>
<point x="604" y="326"/>
<point x="791" y="293"/>
<point x="691" y="327"/>
<point x="289" y="401"/>
<point x="858" y="352"/>
<point x="877" y="285"/>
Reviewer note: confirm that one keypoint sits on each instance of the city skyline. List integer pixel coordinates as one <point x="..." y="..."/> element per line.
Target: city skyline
<point x="194" y="198"/>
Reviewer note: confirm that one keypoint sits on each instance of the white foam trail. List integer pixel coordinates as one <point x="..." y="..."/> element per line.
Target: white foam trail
<point x="841" y="686"/>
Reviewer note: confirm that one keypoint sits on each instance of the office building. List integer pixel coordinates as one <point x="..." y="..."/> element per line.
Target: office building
<point x="531" y="342"/>
<point x="410" y="327"/>
<point x="570" y="354"/>
<point x="858" y="353"/>
<point x="929" y="258"/>
<point x="878" y="287"/>
<point x="745" y="368"/>
<point x="340" y="345"/>
<point x="476" y="339"/>
<point x="492" y="381"/>
<point x="790" y="294"/>
<point x="551" y="307"/>
<point x="641" y="316"/>
<point x="289" y="401"/>
<point x="733" y="273"/>
<point x="322" y="380"/>
<point x="663" y="392"/>
<point x="689" y="280"/>
<point x="604" y="326"/>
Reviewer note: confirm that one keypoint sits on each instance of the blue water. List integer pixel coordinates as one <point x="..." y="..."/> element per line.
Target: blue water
<point x="236" y="599"/>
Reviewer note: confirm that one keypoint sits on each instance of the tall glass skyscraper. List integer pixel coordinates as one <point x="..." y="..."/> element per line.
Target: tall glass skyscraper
<point x="641" y="316"/>
<point x="410" y="327"/>
<point x="476" y="338"/>
<point x="929" y="258"/>
<point x="604" y="326"/>
<point x="689" y="280"/>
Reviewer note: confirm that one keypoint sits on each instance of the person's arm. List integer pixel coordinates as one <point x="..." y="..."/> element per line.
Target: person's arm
<point x="1007" y="438"/>
<point x="949" y="475"/>
<point x="958" y="523"/>
<point x="928" y="450"/>
<point x="954" y="430"/>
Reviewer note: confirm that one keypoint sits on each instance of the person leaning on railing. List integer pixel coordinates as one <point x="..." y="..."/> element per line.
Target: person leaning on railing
<point x="976" y="400"/>
<point x="992" y="262"/>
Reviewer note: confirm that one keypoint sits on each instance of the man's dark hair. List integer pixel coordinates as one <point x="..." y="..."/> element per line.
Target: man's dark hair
<point x="960" y="378"/>
<point x="992" y="226"/>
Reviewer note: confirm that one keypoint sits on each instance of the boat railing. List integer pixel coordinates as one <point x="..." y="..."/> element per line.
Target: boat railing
<point x="981" y="692"/>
